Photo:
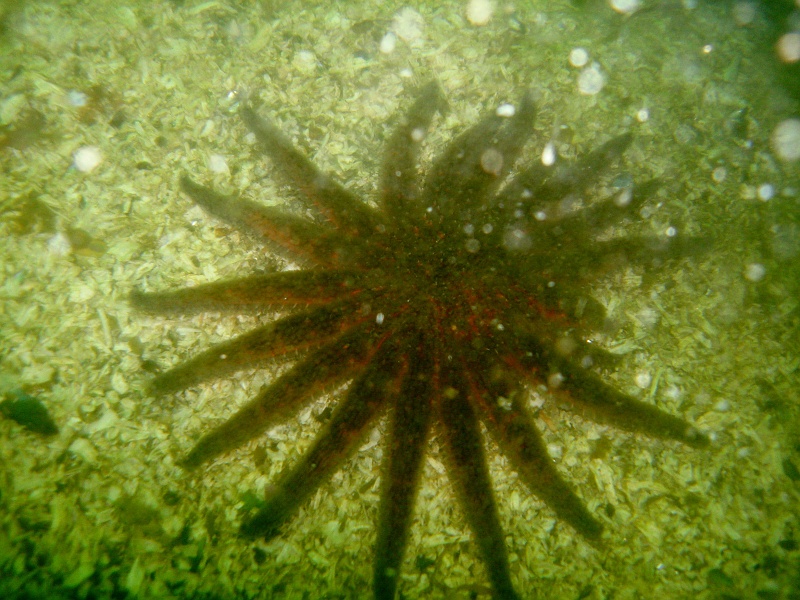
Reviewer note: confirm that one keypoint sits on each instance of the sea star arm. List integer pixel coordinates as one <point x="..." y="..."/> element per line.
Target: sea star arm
<point x="262" y="291"/>
<point x="291" y="334"/>
<point x="399" y="180"/>
<point x="514" y="431"/>
<point x="408" y="434"/>
<point x="370" y="392"/>
<point x="602" y="403"/>
<point x="470" y="476"/>
<point x="339" y="206"/>
<point x="286" y="234"/>
<point x="322" y="369"/>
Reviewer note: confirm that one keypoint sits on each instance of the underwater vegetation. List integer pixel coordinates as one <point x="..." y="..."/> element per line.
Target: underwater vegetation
<point x="442" y="305"/>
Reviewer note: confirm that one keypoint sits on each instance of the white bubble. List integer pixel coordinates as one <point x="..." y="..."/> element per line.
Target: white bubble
<point x="549" y="154"/>
<point x="786" y="139"/>
<point x="591" y="80"/>
<point x="492" y="161"/>
<point x="788" y="47"/>
<point x="472" y="245"/>
<point x="479" y="12"/>
<point x="625" y="7"/>
<point x="755" y="272"/>
<point x="766" y="191"/>
<point x="642" y="115"/>
<point x="719" y="174"/>
<point x="744" y="12"/>
<point x="624" y="197"/>
<point x="578" y="57"/>
<point x="418" y="134"/>
<point x="379" y="318"/>
<point x="487" y="228"/>
<point x="506" y="110"/>
<point x="516" y="240"/>
<point x="87" y="158"/>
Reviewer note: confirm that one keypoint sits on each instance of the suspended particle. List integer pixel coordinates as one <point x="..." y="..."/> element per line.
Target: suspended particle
<point x="492" y="161"/>
<point x="549" y="154"/>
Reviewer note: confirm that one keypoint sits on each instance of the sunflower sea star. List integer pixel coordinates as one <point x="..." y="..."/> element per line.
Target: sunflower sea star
<point x="441" y="306"/>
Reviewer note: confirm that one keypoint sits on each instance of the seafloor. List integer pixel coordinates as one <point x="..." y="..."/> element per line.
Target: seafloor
<point x="102" y="510"/>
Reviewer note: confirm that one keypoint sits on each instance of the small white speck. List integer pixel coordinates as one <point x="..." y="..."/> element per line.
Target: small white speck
<point x="556" y="451"/>
<point x="417" y="134"/>
<point x="540" y="215"/>
<point x="487" y="228"/>
<point x="408" y="24"/>
<point x="788" y="47"/>
<point x="578" y="57"/>
<point x="549" y="154"/>
<point x="87" y="158"/>
<point x="643" y="380"/>
<point x="479" y="12"/>
<point x="472" y="245"/>
<point x="59" y="245"/>
<point x="379" y="318"/>
<point x="766" y="191"/>
<point x="744" y="12"/>
<point x="722" y="406"/>
<point x="305" y="61"/>
<point x="492" y="161"/>
<point x="591" y="80"/>
<point x="77" y="98"/>
<point x="719" y="174"/>
<point x="516" y="239"/>
<point x="223" y="356"/>
<point x="469" y="229"/>
<point x="388" y="43"/>
<point x="671" y="232"/>
<point x="785" y="140"/>
<point x="506" y="110"/>
<point x="642" y="115"/>
<point x="406" y="73"/>
<point x="755" y="272"/>
<point x="218" y="164"/>
<point x="625" y="7"/>
<point x="624" y="197"/>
